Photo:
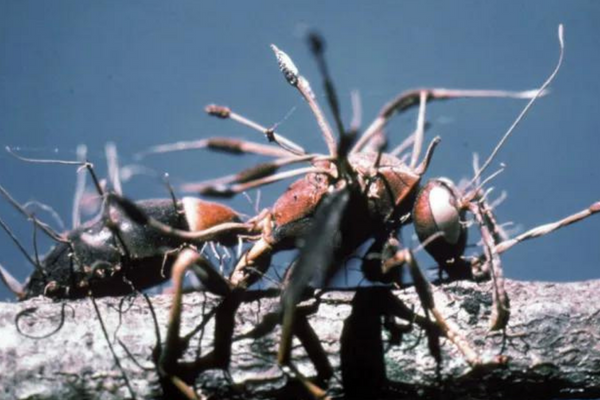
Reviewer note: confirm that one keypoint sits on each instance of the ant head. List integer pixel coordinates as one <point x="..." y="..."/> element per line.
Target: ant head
<point x="438" y="211"/>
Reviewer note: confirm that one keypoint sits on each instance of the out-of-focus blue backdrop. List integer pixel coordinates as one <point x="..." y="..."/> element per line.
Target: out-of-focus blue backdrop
<point x="140" y="73"/>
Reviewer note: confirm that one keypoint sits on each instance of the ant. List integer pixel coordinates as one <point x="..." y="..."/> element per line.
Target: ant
<point x="354" y="195"/>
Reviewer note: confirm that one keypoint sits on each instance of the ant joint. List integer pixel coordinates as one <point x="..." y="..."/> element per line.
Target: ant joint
<point x="270" y="134"/>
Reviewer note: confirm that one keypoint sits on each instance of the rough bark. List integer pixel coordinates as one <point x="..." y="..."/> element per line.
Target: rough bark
<point x="552" y="344"/>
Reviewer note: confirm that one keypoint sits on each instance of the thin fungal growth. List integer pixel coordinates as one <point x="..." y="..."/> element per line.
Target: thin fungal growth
<point x="411" y="98"/>
<point x="420" y="131"/>
<point x="83" y="164"/>
<point x="260" y="174"/>
<point x="272" y="136"/>
<point x="291" y="74"/>
<point x="356" y="121"/>
<point x="45" y="227"/>
<point x="169" y="188"/>
<point x="21" y="248"/>
<point x="114" y="173"/>
<point x="409" y="141"/>
<point x="548" y="228"/>
<point x="112" y="350"/>
<point x="227" y="145"/>
<point x="525" y="110"/>
<point x="37" y="206"/>
<point x="79" y="187"/>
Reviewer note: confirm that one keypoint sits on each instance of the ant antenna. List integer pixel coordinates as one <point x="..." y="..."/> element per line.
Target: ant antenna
<point x="540" y="91"/>
<point x="79" y="187"/>
<point x="83" y="164"/>
<point x="317" y="48"/>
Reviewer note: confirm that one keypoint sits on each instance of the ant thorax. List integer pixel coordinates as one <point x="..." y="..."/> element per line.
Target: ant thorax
<point x="389" y="184"/>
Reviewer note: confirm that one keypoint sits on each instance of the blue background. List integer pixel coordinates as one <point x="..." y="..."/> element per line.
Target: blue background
<point x="140" y="73"/>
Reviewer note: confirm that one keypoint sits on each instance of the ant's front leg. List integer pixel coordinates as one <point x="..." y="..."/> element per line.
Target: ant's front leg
<point x="434" y="323"/>
<point x="305" y="334"/>
<point x="488" y="228"/>
<point x="178" y="374"/>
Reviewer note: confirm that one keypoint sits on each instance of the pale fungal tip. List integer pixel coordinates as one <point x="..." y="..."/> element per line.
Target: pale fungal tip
<point x="561" y="33"/>
<point x="286" y="65"/>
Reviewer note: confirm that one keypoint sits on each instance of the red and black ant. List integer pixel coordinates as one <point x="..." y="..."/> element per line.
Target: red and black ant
<point x="353" y="195"/>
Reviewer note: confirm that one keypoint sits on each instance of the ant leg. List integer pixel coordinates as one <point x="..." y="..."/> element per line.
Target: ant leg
<point x="439" y="325"/>
<point x="305" y="334"/>
<point x="311" y="343"/>
<point x="174" y="346"/>
<point x="501" y="307"/>
<point x="411" y="98"/>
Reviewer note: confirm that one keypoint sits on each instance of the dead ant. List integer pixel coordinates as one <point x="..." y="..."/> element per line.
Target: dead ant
<point x="113" y="255"/>
<point x="353" y="195"/>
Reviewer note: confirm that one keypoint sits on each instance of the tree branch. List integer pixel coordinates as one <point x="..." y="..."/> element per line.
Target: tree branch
<point x="552" y="344"/>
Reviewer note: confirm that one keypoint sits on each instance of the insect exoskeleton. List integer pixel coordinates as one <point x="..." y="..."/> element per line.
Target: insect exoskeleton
<point x="437" y="212"/>
<point x="117" y="255"/>
<point x="389" y="184"/>
<point x="293" y="210"/>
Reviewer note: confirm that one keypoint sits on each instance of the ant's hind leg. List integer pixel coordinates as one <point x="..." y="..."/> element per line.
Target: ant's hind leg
<point x="488" y="229"/>
<point x="434" y="323"/>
